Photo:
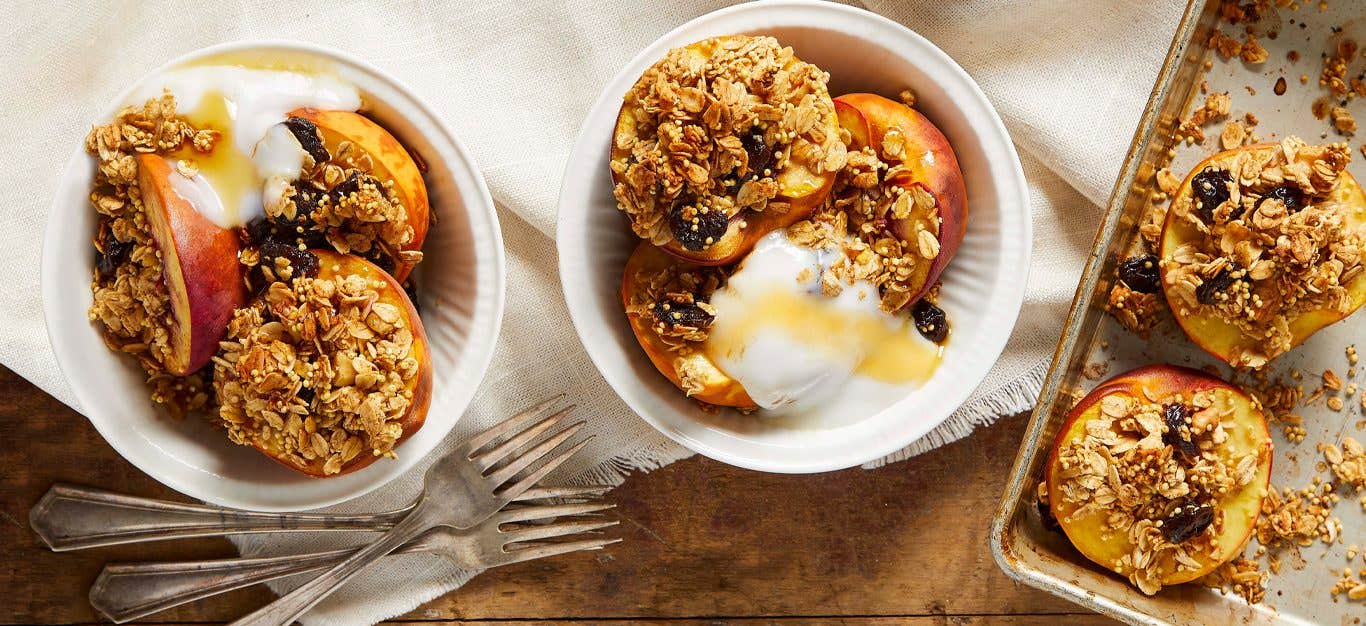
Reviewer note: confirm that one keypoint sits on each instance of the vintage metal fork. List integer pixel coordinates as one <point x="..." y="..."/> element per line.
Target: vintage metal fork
<point x="69" y="517"/>
<point x="459" y="491"/>
<point x="128" y="591"/>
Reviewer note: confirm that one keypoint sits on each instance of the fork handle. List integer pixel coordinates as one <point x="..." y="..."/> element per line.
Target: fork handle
<point x="127" y="591"/>
<point x="290" y="606"/>
<point x="71" y="518"/>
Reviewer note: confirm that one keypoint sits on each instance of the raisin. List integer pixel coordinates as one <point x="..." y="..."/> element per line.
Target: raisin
<point x="1140" y="274"/>
<point x="349" y="186"/>
<point x="1050" y="523"/>
<point x="931" y="321"/>
<point x="305" y="263"/>
<point x="1209" y="290"/>
<point x="1188" y="520"/>
<point x="760" y="153"/>
<point x="305" y="202"/>
<point x="381" y="260"/>
<point x="309" y="138"/>
<point x="697" y="228"/>
<point x="1290" y="195"/>
<point x="115" y="254"/>
<point x="1211" y="190"/>
<point x="674" y="311"/>
<point x="1177" y="417"/>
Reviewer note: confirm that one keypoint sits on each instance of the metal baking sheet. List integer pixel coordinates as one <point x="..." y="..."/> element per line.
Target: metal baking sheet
<point x="1299" y="593"/>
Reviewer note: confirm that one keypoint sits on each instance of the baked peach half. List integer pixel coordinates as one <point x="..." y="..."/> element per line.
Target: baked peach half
<point x="722" y="142"/>
<point x="329" y="368"/>
<point x="1256" y="262"/>
<point x="921" y="162"/>
<point x="665" y="301"/>
<point x="389" y="161"/>
<point x="1158" y="474"/>
<point x="199" y="268"/>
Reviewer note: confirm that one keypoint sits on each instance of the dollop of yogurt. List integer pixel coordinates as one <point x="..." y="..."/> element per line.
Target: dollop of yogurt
<point x="256" y="157"/>
<point x="802" y="354"/>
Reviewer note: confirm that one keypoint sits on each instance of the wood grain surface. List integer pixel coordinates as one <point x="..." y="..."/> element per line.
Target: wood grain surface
<point x="704" y="543"/>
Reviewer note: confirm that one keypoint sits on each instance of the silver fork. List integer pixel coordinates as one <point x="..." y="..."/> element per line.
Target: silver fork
<point x="127" y="591"/>
<point x="460" y="490"/>
<point x="69" y="517"/>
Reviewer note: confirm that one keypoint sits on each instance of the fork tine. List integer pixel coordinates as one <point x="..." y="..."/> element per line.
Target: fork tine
<point x="502" y="474"/>
<point x="529" y="513"/>
<point x="537" y="474"/>
<point x="573" y="491"/>
<point x="497" y="430"/>
<point x="541" y="550"/>
<point x="498" y="452"/>
<point x="550" y="531"/>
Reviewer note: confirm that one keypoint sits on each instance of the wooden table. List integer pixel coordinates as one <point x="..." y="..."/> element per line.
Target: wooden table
<point x="705" y="543"/>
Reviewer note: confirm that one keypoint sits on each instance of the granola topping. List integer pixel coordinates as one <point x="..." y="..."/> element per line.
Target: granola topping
<point x="318" y="369"/>
<point x="706" y="136"/>
<point x="1158" y="481"/>
<point x="130" y="298"/>
<point x="1275" y="241"/>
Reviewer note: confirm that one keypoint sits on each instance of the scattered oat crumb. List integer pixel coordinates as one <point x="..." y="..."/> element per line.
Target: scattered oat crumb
<point x="1170" y="184"/>
<point x="1252" y="51"/>
<point x="1348" y="462"/>
<point x="1095" y="370"/>
<point x="1343" y="121"/>
<point x="1233" y="136"/>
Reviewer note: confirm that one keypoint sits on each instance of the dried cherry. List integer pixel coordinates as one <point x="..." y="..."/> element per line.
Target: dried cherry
<point x="1177" y="416"/>
<point x="760" y="153"/>
<point x="930" y="320"/>
<point x="309" y="138"/>
<point x="1140" y="274"/>
<point x="305" y="263"/>
<point x="1188" y="520"/>
<point x="697" y="228"/>
<point x="1209" y="290"/>
<point x="1289" y="195"/>
<point x="681" y="311"/>
<point x="114" y="254"/>
<point x="1210" y="187"/>
<point x="352" y="184"/>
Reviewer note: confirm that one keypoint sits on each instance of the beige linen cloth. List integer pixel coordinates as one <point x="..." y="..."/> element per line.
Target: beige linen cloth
<point x="514" y="78"/>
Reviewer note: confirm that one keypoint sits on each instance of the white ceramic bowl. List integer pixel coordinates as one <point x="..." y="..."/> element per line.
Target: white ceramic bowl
<point x="461" y="303"/>
<point x="983" y="286"/>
